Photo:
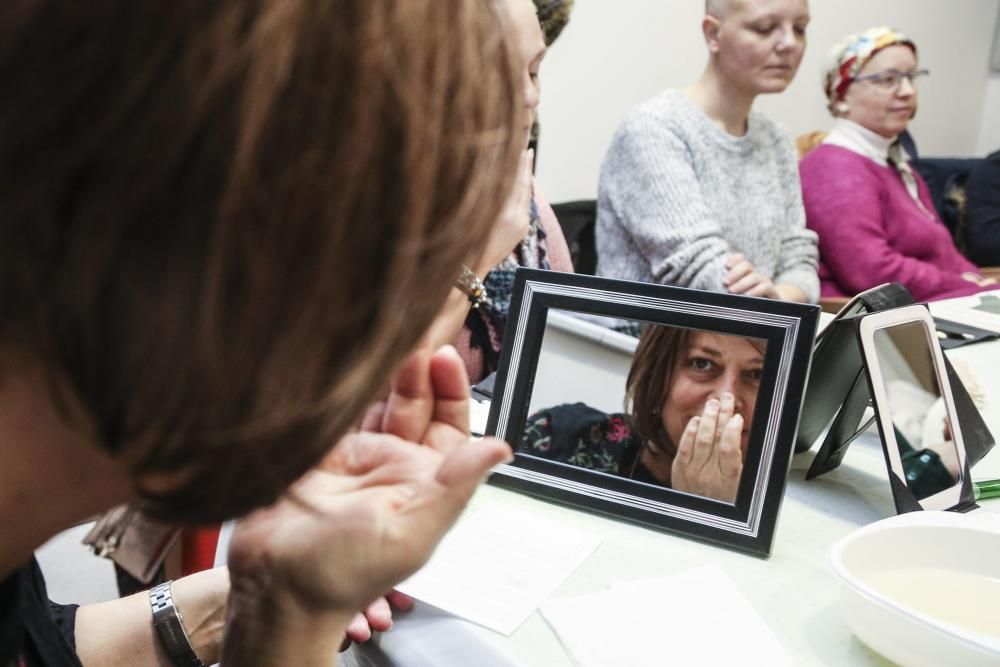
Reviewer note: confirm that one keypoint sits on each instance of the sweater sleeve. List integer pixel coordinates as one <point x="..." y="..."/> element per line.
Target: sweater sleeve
<point x="650" y="185"/>
<point x="843" y="205"/>
<point x="798" y="253"/>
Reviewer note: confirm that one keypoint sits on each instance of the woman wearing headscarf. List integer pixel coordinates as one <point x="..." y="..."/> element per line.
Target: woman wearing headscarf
<point x="872" y="212"/>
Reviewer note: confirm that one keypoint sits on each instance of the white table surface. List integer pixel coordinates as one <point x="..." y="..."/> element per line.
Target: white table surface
<point x="793" y="590"/>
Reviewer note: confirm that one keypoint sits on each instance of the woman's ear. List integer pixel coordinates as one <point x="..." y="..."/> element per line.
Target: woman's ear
<point x="840" y="109"/>
<point x="710" y="28"/>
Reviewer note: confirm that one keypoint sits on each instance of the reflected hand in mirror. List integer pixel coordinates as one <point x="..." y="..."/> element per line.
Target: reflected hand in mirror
<point x="689" y="403"/>
<point x="920" y="422"/>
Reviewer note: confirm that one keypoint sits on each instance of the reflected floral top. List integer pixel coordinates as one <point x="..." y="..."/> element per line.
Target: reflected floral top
<point x="579" y="435"/>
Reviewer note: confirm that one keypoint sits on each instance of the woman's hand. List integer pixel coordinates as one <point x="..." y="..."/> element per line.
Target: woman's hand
<point x="377" y="617"/>
<point x="982" y="281"/>
<point x="709" y="461"/>
<point x="512" y="226"/>
<point x="742" y="278"/>
<point x="365" y="519"/>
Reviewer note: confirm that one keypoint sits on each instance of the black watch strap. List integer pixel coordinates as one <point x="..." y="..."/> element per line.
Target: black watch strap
<point x="170" y="627"/>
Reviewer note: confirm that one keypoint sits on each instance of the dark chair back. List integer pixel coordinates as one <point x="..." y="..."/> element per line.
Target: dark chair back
<point x="945" y="179"/>
<point x="578" y="220"/>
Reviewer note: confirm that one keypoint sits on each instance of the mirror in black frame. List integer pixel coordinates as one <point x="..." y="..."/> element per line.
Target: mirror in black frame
<point x="677" y="412"/>
<point x="671" y="407"/>
<point x="914" y="408"/>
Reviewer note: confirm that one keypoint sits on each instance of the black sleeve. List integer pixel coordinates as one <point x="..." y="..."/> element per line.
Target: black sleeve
<point x="48" y="635"/>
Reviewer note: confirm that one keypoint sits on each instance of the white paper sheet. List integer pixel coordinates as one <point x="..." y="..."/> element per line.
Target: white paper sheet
<point x="497" y="565"/>
<point x="695" y="618"/>
<point x="429" y="637"/>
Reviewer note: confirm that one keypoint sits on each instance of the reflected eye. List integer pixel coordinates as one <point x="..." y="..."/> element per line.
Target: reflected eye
<point x="701" y="364"/>
<point x="754" y="375"/>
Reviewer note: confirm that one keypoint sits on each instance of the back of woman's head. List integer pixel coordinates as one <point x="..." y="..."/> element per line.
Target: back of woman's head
<point x="222" y="224"/>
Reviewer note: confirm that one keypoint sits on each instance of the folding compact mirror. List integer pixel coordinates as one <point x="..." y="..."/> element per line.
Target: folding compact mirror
<point x="615" y="397"/>
<point x="838" y="394"/>
<point x="915" y="410"/>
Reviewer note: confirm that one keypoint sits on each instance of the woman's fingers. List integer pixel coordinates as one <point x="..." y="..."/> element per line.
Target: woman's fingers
<point x="704" y="439"/>
<point x="400" y="601"/>
<point x="410" y="405"/>
<point x="449" y="425"/>
<point x="765" y="288"/>
<point x="739" y="271"/>
<point x="358" y="631"/>
<point x="728" y="452"/>
<point x="746" y="283"/>
<point x="727" y="408"/>
<point x="685" y="450"/>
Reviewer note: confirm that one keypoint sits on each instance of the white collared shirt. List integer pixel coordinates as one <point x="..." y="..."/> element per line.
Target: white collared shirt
<point x="858" y="138"/>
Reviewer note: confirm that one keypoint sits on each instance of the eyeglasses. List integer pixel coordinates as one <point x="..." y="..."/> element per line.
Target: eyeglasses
<point x="891" y="79"/>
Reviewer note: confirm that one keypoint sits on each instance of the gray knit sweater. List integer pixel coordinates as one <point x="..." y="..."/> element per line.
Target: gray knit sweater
<point x="678" y="194"/>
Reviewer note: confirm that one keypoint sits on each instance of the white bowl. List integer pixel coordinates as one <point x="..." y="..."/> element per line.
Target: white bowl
<point x="915" y="587"/>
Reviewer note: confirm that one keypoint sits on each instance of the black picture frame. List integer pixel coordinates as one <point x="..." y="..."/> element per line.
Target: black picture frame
<point x="788" y="329"/>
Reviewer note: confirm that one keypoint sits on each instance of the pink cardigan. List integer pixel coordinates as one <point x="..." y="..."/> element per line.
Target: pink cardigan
<point x="871" y="230"/>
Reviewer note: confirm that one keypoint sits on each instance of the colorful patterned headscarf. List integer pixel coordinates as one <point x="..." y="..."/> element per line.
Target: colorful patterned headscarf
<point x="553" y="15"/>
<point x="853" y="53"/>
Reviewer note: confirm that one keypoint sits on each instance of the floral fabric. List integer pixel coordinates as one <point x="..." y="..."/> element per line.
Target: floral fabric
<point x="582" y="436"/>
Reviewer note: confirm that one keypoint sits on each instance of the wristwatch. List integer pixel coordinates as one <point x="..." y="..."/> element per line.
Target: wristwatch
<point x="170" y="627"/>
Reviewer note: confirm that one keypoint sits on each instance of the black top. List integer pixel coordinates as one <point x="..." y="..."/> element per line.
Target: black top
<point x="982" y="210"/>
<point x="34" y="632"/>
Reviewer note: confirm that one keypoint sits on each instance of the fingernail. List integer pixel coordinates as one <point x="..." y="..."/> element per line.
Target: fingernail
<point x="736" y="419"/>
<point x="727" y="397"/>
<point x="713" y="404"/>
<point x="693" y="424"/>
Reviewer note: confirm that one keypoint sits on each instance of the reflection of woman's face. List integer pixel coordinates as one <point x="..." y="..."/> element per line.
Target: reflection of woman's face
<point x="709" y="365"/>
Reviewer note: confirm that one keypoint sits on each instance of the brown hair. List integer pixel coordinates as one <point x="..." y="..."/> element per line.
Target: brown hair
<point x="223" y="224"/>
<point x="649" y="380"/>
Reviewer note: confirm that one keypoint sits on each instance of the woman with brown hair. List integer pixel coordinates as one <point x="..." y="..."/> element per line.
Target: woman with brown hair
<point x="223" y="226"/>
<point x="690" y="399"/>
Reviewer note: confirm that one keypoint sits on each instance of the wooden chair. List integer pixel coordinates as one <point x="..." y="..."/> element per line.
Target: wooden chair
<point x="833" y="304"/>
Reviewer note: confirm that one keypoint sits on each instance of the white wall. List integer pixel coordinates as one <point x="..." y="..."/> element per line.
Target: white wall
<point x="989" y="131"/>
<point x="616" y="53"/>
